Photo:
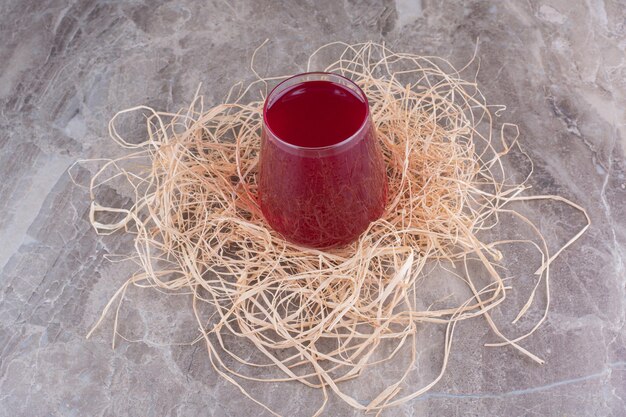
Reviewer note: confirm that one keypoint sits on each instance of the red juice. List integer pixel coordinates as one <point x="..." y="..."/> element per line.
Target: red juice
<point x="322" y="179"/>
<point x="315" y="114"/>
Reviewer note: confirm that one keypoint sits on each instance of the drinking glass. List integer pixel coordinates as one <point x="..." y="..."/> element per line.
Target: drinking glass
<point x="322" y="179"/>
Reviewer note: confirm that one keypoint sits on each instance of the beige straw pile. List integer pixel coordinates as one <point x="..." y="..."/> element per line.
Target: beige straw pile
<point x="319" y="317"/>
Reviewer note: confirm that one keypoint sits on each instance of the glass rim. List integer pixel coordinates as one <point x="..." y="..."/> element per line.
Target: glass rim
<point x="357" y="133"/>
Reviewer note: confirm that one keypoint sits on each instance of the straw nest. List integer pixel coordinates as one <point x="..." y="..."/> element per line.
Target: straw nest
<point x="319" y="317"/>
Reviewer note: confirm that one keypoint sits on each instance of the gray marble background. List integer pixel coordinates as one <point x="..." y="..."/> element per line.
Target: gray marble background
<point x="65" y="68"/>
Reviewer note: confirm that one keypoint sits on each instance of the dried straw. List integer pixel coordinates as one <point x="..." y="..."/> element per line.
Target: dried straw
<point x="319" y="316"/>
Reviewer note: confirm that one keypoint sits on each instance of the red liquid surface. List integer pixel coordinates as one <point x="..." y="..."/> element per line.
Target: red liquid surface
<point x="320" y="197"/>
<point x="315" y="114"/>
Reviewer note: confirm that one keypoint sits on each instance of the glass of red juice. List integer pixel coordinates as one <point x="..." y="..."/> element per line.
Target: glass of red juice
<point x="322" y="179"/>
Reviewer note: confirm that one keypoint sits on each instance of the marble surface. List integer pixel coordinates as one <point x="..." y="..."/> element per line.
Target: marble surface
<point x="65" y="67"/>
